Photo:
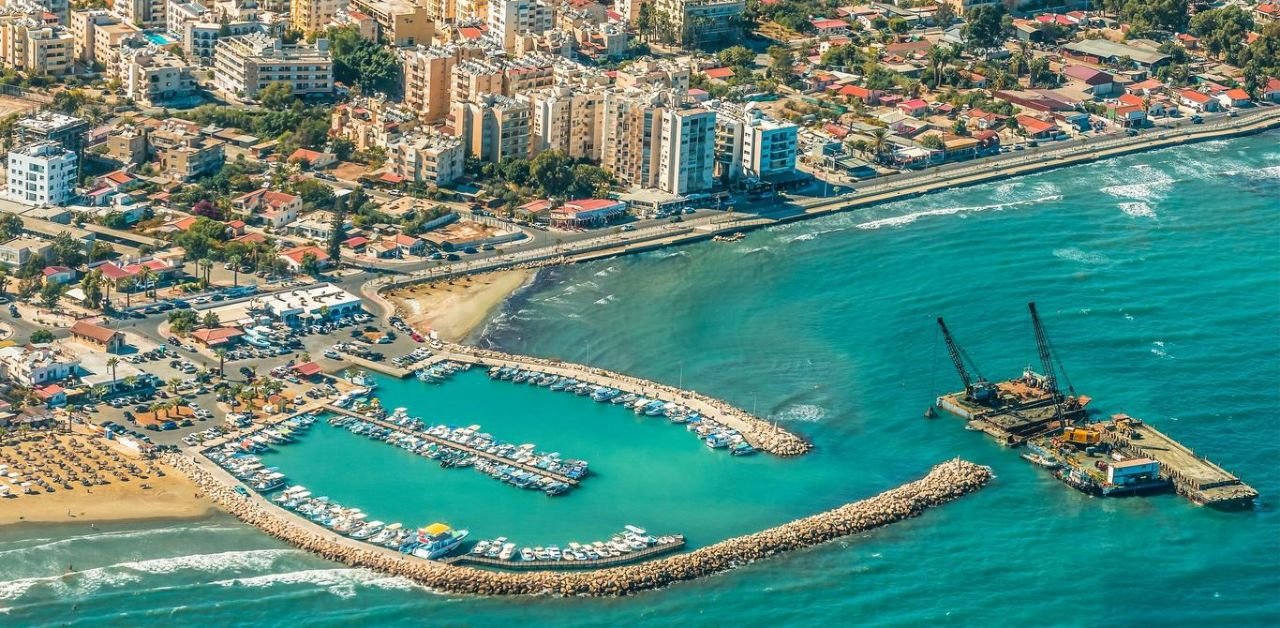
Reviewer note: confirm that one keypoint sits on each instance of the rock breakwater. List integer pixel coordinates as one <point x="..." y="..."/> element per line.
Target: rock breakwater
<point x="945" y="482"/>
<point x="762" y="435"/>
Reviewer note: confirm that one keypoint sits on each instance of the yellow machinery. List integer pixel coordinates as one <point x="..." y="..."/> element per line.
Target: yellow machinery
<point x="1081" y="436"/>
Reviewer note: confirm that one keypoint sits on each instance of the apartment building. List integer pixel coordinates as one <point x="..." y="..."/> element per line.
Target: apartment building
<point x="142" y="13"/>
<point x="632" y="133"/>
<point x="473" y="78"/>
<point x="183" y="155"/>
<point x="428" y="78"/>
<point x="109" y="39"/>
<point x="155" y="77"/>
<point x="200" y="39"/>
<point x="400" y="22"/>
<point x="568" y="118"/>
<point x="471" y="11"/>
<point x="492" y="128"/>
<point x="371" y="122"/>
<point x="43" y="173"/>
<point x="312" y="16"/>
<point x="508" y="19"/>
<point x="82" y="24"/>
<point x="35" y="46"/>
<point x="179" y="12"/>
<point x="700" y="21"/>
<point x="687" y="162"/>
<point x="654" y="72"/>
<point x="247" y="64"/>
<point x="15" y="252"/>
<point x="750" y="143"/>
<point x="51" y="126"/>
<point x="427" y="157"/>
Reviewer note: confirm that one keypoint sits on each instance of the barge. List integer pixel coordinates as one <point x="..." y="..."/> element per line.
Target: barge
<point x="1118" y="456"/>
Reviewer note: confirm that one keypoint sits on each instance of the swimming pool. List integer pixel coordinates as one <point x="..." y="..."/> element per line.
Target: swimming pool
<point x="158" y="39"/>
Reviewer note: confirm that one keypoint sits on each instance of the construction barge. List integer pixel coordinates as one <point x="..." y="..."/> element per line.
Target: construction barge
<point x="1121" y="455"/>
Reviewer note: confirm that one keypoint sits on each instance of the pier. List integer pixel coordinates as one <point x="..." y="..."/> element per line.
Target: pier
<point x="538" y="565"/>
<point x="444" y="442"/>
<point x="1193" y="477"/>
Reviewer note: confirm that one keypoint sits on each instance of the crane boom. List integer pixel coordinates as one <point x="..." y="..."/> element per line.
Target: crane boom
<point x="976" y="388"/>
<point x="956" y="357"/>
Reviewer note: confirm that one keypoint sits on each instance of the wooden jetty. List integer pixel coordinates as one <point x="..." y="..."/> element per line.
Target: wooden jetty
<point x="562" y="565"/>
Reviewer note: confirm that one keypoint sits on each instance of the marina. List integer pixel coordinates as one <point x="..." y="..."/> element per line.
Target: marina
<point x="1119" y="456"/>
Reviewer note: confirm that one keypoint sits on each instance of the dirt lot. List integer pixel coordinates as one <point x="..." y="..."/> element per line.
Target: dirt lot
<point x="10" y="105"/>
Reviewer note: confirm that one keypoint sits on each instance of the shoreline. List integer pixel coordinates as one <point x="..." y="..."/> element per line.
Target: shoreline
<point x="457" y="307"/>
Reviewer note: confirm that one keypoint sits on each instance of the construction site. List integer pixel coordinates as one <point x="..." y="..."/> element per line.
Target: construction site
<point x="1118" y="456"/>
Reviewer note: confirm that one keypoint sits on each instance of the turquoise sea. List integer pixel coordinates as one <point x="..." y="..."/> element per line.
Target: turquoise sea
<point x="1158" y="276"/>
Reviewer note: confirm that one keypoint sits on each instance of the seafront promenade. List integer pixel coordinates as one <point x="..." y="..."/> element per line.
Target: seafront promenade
<point x="944" y="483"/>
<point x="891" y="188"/>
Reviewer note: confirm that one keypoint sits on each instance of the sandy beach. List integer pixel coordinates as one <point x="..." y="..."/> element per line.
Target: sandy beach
<point x="135" y="489"/>
<point x="454" y="308"/>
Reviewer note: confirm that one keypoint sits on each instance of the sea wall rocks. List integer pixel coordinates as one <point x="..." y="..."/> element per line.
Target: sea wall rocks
<point x="945" y="482"/>
<point x="760" y="433"/>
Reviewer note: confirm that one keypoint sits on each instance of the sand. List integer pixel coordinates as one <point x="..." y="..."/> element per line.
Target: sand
<point x="454" y="309"/>
<point x="146" y="495"/>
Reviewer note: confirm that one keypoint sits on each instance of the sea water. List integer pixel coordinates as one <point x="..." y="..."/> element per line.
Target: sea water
<point x="1157" y="275"/>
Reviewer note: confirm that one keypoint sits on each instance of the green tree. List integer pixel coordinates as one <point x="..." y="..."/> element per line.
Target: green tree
<point x="211" y="320"/>
<point x="50" y="294"/>
<point x="550" y="171"/>
<point x="67" y="251"/>
<point x="91" y="286"/>
<point x="315" y="194"/>
<point x="1221" y="31"/>
<point x="277" y="95"/>
<point x="337" y="232"/>
<point x="10" y="226"/>
<point x="183" y="321"/>
<point x="310" y="264"/>
<point x="41" y="336"/>
<point x="782" y="64"/>
<point x="985" y="26"/>
<point x="736" y="56"/>
<point x="235" y="261"/>
<point x="362" y="62"/>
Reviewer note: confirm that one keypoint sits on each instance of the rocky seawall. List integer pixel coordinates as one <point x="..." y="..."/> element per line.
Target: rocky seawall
<point x="945" y="482"/>
<point x="760" y="433"/>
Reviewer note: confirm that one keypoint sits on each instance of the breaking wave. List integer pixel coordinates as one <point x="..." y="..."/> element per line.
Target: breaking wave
<point x="898" y="221"/>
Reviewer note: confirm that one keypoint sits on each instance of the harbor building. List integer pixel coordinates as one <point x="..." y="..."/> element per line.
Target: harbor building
<point x="43" y="173"/>
<point x="314" y="303"/>
<point x="247" y="64"/>
<point x="687" y="162"/>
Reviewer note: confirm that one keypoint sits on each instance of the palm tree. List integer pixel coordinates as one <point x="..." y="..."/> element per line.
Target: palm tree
<point x="148" y="279"/>
<point x="222" y="361"/>
<point x="4" y="282"/>
<point x="130" y="381"/>
<point x="204" y="265"/>
<point x="98" y="392"/>
<point x="879" y="139"/>
<point x="234" y="260"/>
<point x="112" y="363"/>
<point x="174" y="384"/>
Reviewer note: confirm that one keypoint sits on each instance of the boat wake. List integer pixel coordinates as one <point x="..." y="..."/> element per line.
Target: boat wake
<point x="800" y="413"/>
<point x="1158" y="349"/>
<point x="906" y="219"/>
<point x="1072" y="254"/>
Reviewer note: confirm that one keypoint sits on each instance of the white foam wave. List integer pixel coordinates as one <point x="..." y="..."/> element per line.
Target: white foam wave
<point x="1073" y="254"/>
<point x="48" y="543"/>
<point x="899" y="221"/>
<point x="671" y="254"/>
<point x="1146" y="184"/>
<point x="1138" y="209"/>
<point x="800" y="412"/>
<point x="78" y="583"/>
<point x="340" y="582"/>
<point x="606" y="272"/>
<point x="606" y="300"/>
<point x="1158" y="349"/>
<point x="758" y="249"/>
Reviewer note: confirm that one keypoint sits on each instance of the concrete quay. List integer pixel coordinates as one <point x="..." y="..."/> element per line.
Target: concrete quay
<point x="762" y="435"/>
<point x="944" y="483"/>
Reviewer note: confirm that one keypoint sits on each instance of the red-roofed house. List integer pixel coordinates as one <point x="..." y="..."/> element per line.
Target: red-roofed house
<point x="314" y="159"/>
<point x="1234" y="98"/>
<point x="409" y="245"/>
<point x="587" y="212"/>
<point x="830" y="28"/>
<point x="719" y="74"/>
<point x="1271" y="90"/>
<point x="914" y="107"/>
<point x="307" y="369"/>
<point x="1099" y="83"/>
<point x="1128" y="113"/>
<point x="1145" y="88"/>
<point x="276" y="209"/>
<point x="356" y="244"/>
<point x="295" y="257"/>
<point x="1198" y="101"/>
<point x="58" y="275"/>
<point x="985" y="119"/>
<point x="1267" y="12"/>
<point x="118" y="180"/>
<point x="470" y="33"/>
<point x="1036" y="128"/>
<point x="854" y="92"/>
<point x="97" y="336"/>
<point x="253" y="237"/>
<point x="52" y="395"/>
<point x="217" y="337"/>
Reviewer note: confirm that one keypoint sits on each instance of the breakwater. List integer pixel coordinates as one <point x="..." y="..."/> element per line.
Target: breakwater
<point x="762" y="434"/>
<point x="945" y="482"/>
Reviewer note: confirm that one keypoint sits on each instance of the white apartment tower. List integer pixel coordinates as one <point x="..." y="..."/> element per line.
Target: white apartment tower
<point x="509" y="19"/>
<point x="43" y="173"/>
<point x="688" y="151"/>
